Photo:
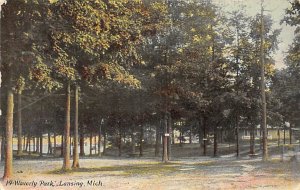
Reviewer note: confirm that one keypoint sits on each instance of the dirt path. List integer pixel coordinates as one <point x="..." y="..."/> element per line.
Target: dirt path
<point x="148" y="174"/>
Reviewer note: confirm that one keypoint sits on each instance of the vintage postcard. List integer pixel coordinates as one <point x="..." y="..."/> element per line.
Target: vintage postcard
<point x="150" y="94"/>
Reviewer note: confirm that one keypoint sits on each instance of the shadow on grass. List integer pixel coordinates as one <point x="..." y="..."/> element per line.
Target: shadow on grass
<point x="136" y="169"/>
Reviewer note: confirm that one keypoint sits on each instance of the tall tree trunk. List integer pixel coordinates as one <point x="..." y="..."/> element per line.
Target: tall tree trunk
<point x="215" y="141"/>
<point x="62" y="146"/>
<point x="41" y="144"/>
<point x="95" y="144"/>
<point x="284" y="135"/>
<point x="205" y="139"/>
<point x="290" y="133"/>
<point x="237" y="137"/>
<point x="104" y="142"/>
<point x="157" y="139"/>
<point x="19" y="152"/>
<point x="66" y="163"/>
<point x="49" y="143"/>
<point x="33" y="144"/>
<point x="75" y="148"/>
<point x="142" y="141"/>
<point x="91" y="144"/>
<point x="278" y="136"/>
<point x="99" y="140"/>
<point x="81" y="144"/>
<point x="29" y="144"/>
<point x="120" y="143"/>
<point x="54" y="143"/>
<point x="132" y="143"/>
<point x="37" y="150"/>
<point x="252" y="141"/>
<point x="165" y="140"/>
<point x="190" y="139"/>
<point x="170" y="135"/>
<point x="24" y="142"/>
<point x="8" y="167"/>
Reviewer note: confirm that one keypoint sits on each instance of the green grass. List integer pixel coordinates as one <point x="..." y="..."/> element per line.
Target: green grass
<point x="130" y="170"/>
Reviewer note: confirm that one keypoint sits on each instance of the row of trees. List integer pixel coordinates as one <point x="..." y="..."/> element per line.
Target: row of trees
<point x="137" y="62"/>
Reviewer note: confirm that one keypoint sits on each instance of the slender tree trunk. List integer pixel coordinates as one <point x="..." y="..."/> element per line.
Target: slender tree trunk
<point x="263" y="92"/>
<point x="170" y="135"/>
<point x="165" y="140"/>
<point x="75" y="147"/>
<point x="99" y="140"/>
<point x="120" y="143"/>
<point x="204" y="137"/>
<point x="49" y="143"/>
<point x="19" y="152"/>
<point x="91" y="144"/>
<point x="95" y="144"/>
<point x="81" y="144"/>
<point x="157" y="139"/>
<point x="278" y="136"/>
<point x="290" y="133"/>
<point x="54" y="143"/>
<point x="37" y="150"/>
<point x="215" y="141"/>
<point x="237" y="137"/>
<point x="104" y="143"/>
<point x="132" y="143"/>
<point x="252" y="141"/>
<point x="29" y="144"/>
<point x="24" y="142"/>
<point x="33" y="143"/>
<point x="66" y="162"/>
<point x="190" y="139"/>
<point x="141" y="140"/>
<point x="8" y="167"/>
<point x="62" y="146"/>
<point x="284" y="135"/>
<point x="41" y="144"/>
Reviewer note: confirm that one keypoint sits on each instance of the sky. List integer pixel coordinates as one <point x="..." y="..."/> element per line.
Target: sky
<point x="275" y="8"/>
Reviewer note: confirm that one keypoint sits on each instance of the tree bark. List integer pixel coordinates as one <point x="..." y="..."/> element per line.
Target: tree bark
<point x="252" y="141"/>
<point x="29" y="144"/>
<point x="54" y="143"/>
<point x="237" y="137"/>
<point x="120" y="143"/>
<point x="204" y="137"/>
<point x="81" y="144"/>
<point x="41" y="144"/>
<point x="104" y="143"/>
<point x="215" y="141"/>
<point x="290" y="133"/>
<point x="91" y="144"/>
<point x="66" y="163"/>
<point x="49" y="143"/>
<point x="165" y="140"/>
<point x="170" y="135"/>
<point x="37" y="148"/>
<point x="62" y="146"/>
<point x="8" y="167"/>
<point x="157" y="139"/>
<point x="99" y="140"/>
<point x="284" y="135"/>
<point x="278" y="137"/>
<point x="19" y="115"/>
<point x="132" y="143"/>
<point x="142" y="141"/>
<point x="75" y="147"/>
